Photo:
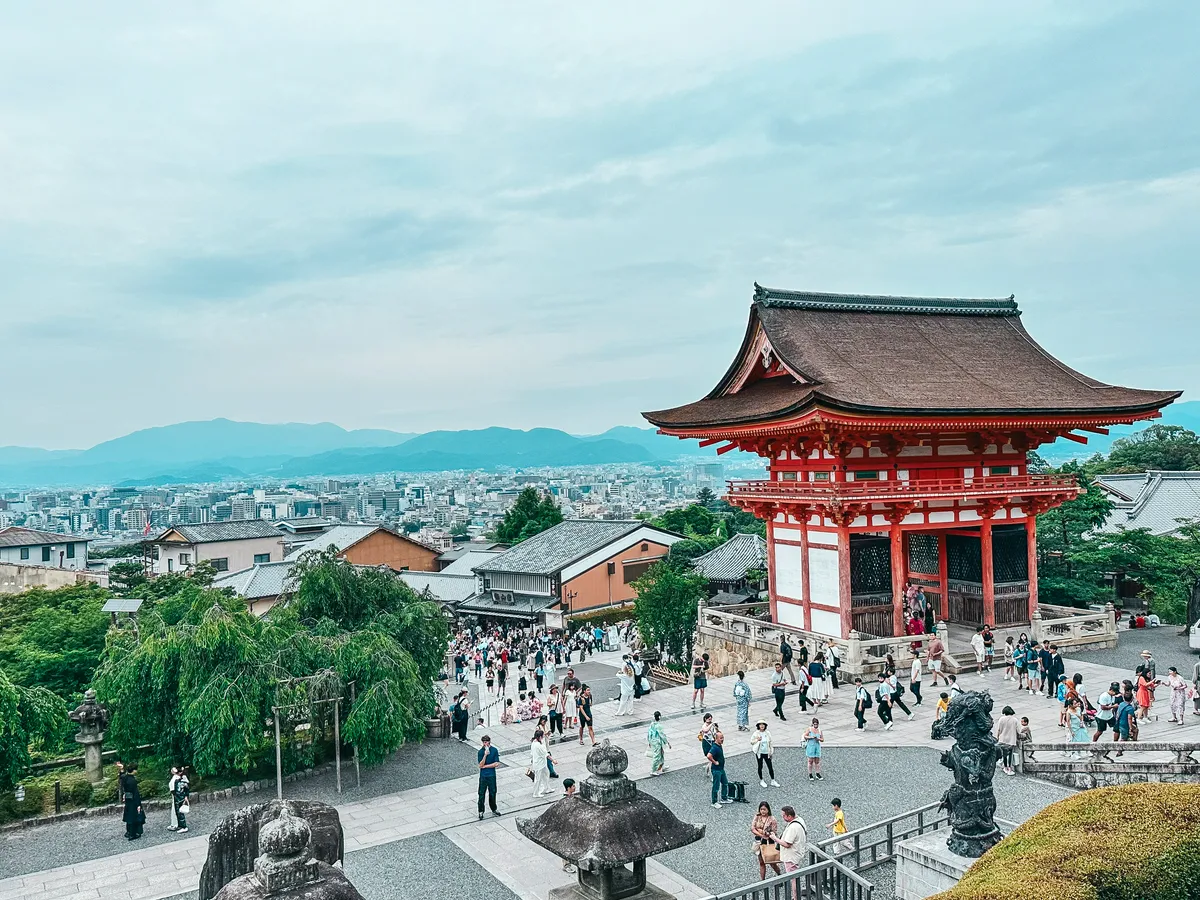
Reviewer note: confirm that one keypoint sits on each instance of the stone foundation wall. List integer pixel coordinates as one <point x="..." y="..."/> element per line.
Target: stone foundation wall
<point x="728" y="657"/>
<point x="1130" y="773"/>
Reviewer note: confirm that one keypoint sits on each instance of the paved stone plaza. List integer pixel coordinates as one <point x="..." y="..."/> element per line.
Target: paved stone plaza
<point x="414" y="819"/>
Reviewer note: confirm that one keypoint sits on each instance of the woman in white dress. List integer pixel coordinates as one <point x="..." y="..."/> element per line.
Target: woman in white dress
<point x="539" y="762"/>
<point x="818" y="691"/>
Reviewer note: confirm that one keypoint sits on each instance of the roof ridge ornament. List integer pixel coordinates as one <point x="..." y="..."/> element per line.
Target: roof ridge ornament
<point x="831" y="302"/>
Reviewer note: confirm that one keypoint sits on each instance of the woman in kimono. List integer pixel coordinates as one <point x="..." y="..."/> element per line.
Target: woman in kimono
<point x="742" y="695"/>
<point x="656" y="738"/>
<point x="134" y="816"/>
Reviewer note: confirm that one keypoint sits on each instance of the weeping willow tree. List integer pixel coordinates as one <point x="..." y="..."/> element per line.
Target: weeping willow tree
<point x="29" y="717"/>
<point x="200" y="684"/>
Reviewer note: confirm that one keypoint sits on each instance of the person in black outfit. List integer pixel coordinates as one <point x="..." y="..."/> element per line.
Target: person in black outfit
<point x="134" y="816"/>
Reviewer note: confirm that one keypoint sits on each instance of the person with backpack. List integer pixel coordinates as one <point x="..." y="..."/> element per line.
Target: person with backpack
<point x="883" y="696"/>
<point x="785" y="657"/>
<point x="862" y="702"/>
<point x="897" y="689"/>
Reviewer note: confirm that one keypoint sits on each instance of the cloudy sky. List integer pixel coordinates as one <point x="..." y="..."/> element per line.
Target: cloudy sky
<point x="419" y="216"/>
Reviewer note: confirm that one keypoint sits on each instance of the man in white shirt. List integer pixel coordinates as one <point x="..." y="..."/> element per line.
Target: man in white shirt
<point x="1106" y="715"/>
<point x="793" y="843"/>
<point x="914" y="676"/>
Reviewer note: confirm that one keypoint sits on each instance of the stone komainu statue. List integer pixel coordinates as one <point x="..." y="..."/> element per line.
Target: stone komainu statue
<point x="233" y="844"/>
<point x="970" y="800"/>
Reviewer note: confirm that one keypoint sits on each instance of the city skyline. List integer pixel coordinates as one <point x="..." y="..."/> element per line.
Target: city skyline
<point x="296" y="216"/>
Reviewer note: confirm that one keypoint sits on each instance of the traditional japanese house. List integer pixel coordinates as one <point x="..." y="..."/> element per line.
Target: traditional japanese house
<point x="897" y="431"/>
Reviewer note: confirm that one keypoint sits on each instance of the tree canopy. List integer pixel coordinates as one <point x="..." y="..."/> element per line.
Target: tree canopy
<point x="29" y="717"/>
<point x="1171" y="448"/>
<point x="53" y="638"/>
<point x="1078" y="563"/>
<point x="531" y="514"/>
<point x="666" y="607"/>
<point x="199" y="682"/>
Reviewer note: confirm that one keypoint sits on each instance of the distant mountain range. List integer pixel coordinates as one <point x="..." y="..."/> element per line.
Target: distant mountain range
<point x="222" y="449"/>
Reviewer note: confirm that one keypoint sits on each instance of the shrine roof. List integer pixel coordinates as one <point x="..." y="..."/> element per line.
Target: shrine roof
<point x="907" y="356"/>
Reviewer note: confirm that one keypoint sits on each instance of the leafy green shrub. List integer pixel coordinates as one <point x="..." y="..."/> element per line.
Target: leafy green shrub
<point x="106" y="793"/>
<point x="1081" y="848"/>
<point x="149" y="787"/>
<point x="79" y="792"/>
<point x="14" y="810"/>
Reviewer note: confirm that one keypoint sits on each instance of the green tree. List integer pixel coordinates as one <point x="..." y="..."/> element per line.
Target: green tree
<point x="681" y="554"/>
<point x="705" y="496"/>
<point x="665" y="609"/>
<point x="1061" y="533"/>
<point x="202" y="676"/>
<point x="53" y="638"/>
<point x="124" y="577"/>
<point x="1160" y="447"/>
<point x="460" y="531"/>
<point x="29" y="717"/>
<point x="530" y="515"/>
<point x="694" y="521"/>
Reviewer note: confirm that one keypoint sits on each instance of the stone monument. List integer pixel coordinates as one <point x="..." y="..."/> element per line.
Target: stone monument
<point x="608" y="830"/>
<point x="931" y="863"/>
<point x="286" y="868"/>
<point x="92" y="719"/>
<point x="235" y="845"/>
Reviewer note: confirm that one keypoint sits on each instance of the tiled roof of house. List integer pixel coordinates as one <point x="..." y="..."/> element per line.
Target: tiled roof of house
<point x="1152" y="500"/>
<point x="899" y="355"/>
<point x="731" y="560"/>
<point x="557" y="547"/>
<point x="262" y="580"/>
<point x="467" y="562"/>
<point x="345" y="536"/>
<point x="210" y="532"/>
<point x="16" y="536"/>
<point x="444" y="587"/>
<point x="507" y="603"/>
<point x="340" y="536"/>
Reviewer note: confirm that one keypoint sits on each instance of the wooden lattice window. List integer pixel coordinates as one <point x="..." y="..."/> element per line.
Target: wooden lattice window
<point x="964" y="559"/>
<point x="870" y="565"/>
<point x="1010" y="555"/>
<point x="923" y="553"/>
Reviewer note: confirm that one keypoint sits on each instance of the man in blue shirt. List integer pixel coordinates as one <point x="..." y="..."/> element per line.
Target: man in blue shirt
<point x="1126" y="717"/>
<point x="716" y="758"/>
<point x="489" y="762"/>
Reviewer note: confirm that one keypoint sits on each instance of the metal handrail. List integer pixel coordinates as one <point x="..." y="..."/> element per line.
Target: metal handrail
<point x="825" y="491"/>
<point x="824" y="876"/>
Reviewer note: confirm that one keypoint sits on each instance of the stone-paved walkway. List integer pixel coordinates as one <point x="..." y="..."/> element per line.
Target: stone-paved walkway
<point x="449" y="805"/>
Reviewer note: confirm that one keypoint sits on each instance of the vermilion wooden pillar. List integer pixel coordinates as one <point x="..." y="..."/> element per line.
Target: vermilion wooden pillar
<point x="843" y="541"/>
<point x="1032" y="564"/>
<point x="989" y="581"/>
<point x="806" y="588"/>
<point x="944" y="576"/>
<point x="897" y="548"/>
<point x="771" y="570"/>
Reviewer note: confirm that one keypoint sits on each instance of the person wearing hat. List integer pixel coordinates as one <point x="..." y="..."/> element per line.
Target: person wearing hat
<point x="1148" y="664"/>
<point x="764" y="750"/>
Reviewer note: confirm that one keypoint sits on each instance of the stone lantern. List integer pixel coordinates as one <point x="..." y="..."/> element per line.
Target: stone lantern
<point x="286" y="869"/>
<point x="92" y="719"/>
<point x="608" y="830"/>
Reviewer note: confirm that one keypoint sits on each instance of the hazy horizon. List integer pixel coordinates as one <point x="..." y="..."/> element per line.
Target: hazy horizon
<point x="418" y="218"/>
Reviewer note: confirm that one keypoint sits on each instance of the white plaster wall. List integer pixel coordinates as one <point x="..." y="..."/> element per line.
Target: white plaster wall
<point x="787" y="534"/>
<point x="826" y="622"/>
<point x="790" y="614"/>
<point x="789" y="576"/>
<point x="823" y="575"/>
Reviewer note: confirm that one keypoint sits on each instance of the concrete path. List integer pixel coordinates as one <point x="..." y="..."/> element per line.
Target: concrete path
<point x="450" y="806"/>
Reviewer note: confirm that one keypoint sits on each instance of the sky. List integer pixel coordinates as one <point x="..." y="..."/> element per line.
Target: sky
<point x="420" y="216"/>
